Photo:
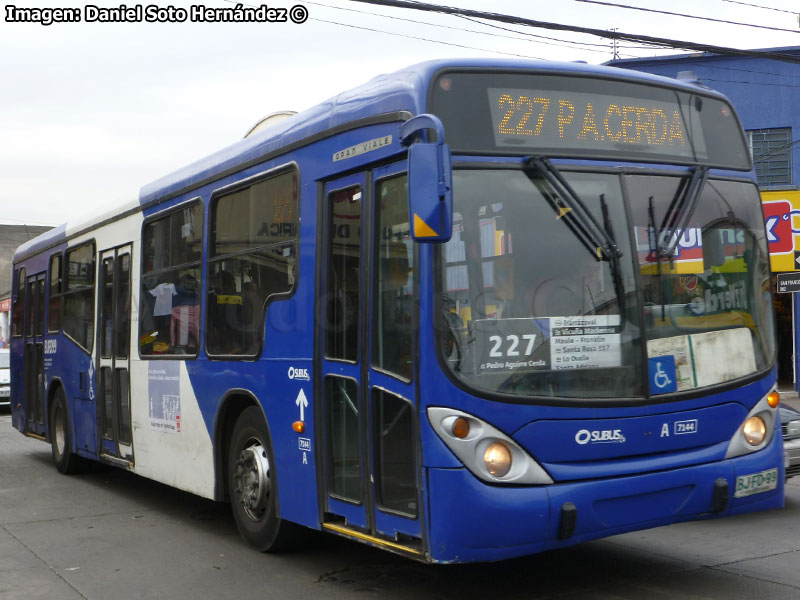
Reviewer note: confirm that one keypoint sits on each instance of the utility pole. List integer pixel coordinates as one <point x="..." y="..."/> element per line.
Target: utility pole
<point x="614" y="48"/>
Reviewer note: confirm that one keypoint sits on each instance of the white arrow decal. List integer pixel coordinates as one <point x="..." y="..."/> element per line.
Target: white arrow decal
<point x="302" y="402"/>
<point x="771" y="223"/>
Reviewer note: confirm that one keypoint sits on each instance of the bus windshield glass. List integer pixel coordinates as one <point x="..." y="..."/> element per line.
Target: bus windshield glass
<point x="586" y="117"/>
<point x="530" y="307"/>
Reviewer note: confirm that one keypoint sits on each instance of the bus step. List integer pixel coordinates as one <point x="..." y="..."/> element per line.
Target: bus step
<point x="404" y="545"/>
<point x="117" y="462"/>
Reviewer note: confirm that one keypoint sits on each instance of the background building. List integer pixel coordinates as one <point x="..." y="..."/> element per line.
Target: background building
<point x="766" y="94"/>
<point x="11" y="236"/>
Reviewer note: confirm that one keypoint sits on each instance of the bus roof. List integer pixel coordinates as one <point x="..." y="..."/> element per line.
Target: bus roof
<point x="401" y="91"/>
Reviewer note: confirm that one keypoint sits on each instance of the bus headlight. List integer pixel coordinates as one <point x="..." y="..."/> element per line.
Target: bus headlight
<point x="754" y="430"/>
<point x="497" y="459"/>
<point x="486" y="451"/>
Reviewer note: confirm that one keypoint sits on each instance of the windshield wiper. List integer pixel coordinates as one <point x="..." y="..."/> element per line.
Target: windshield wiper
<point x="619" y="288"/>
<point x="595" y="237"/>
<point x="680" y="211"/>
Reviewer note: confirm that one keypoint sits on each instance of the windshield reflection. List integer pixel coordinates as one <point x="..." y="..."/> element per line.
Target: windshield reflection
<point x="529" y="307"/>
<point x="525" y="309"/>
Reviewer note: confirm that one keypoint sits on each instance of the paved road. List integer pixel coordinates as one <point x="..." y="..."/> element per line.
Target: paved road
<point x="110" y="534"/>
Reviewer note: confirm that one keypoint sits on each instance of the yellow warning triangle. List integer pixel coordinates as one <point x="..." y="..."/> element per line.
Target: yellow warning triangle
<point x="422" y="229"/>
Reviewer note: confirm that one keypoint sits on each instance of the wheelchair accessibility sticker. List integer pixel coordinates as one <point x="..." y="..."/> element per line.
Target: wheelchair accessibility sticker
<point x="663" y="375"/>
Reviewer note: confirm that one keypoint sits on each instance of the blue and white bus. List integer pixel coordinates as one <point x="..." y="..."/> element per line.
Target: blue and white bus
<point x="471" y="310"/>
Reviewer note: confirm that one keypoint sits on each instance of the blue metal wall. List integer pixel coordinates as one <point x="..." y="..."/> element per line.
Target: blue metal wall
<point x="765" y="92"/>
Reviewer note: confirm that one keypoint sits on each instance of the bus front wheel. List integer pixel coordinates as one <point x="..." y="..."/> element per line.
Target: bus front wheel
<point x="252" y="485"/>
<point x="67" y="462"/>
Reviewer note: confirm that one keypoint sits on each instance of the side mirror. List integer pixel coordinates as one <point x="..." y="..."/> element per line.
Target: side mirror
<point x="430" y="184"/>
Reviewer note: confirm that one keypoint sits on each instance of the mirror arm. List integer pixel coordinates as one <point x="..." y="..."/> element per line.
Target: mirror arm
<point x="422" y="123"/>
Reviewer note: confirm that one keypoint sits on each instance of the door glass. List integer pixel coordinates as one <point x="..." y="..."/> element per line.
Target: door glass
<point x="124" y="406"/>
<point x="39" y="329"/>
<point x="106" y="306"/>
<point x="344" y="275"/>
<point x="123" y="306"/>
<point x="345" y="447"/>
<point x="396" y="478"/>
<point x="393" y="306"/>
<point x="31" y="306"/>
<point x="107" y="389"/>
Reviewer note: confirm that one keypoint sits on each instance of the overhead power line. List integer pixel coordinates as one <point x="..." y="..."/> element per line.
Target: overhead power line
<point x="684" y="15"/>
<point x="765" y="83"/>
<point x="761" y="6"/>
<point x="424" y="39"/>
<point x="775" y="151"/>
<point x="630" y="37"/>
<point x="544" y="37"/>
<point x="403" y="35"/>
<point x="539" y="38"/>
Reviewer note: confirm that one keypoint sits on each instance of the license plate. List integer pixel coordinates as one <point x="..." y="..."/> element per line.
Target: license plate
<point x="747" y="485"/>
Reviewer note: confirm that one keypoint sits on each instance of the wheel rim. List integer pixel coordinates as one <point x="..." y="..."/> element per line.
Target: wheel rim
<point x="60" y="433"/>
<point x="252" y="479"/>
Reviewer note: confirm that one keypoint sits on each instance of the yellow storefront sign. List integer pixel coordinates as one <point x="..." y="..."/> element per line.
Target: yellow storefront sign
<point x="782" y="217"/>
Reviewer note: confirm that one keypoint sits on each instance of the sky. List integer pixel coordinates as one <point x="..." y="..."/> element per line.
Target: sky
<point x="92" y="111"/>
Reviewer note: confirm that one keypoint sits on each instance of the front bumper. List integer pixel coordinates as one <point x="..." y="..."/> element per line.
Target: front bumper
<point x="472" y="521"/>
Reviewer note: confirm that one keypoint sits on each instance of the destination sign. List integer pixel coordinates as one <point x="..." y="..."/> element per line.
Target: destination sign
<point x="527" y="112"/>
<point x="558" y="119"/>
<point x="550" y="343"/>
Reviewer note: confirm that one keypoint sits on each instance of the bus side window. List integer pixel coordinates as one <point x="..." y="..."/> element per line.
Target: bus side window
<point x="56" y="288"/>
<point x="251" y="259"/>
<point x="78" y="298"/>
<point x="18" y="314"/>
<point x="169" y="313"/>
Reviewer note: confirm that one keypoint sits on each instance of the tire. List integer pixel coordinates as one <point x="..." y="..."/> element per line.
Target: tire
<point x="66" y="461"/>
<point x="252" y="486"/>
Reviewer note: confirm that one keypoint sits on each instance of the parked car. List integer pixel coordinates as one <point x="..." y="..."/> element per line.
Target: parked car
<point x="5" y="378"/>
<point x="790" y="428"/>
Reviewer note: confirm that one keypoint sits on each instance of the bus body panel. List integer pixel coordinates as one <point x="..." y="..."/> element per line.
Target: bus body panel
<point x="528" y="423"/>
<point x="500" y="522"/>
<point x="179" y="454"/>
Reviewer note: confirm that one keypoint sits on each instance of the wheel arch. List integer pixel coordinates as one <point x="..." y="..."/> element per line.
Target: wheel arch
<point x="56" y="384"/>
<point x="232" y="405"/>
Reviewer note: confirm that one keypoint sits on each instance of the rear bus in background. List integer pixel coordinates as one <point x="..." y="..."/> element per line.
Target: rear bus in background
<point x="469" y="311"/>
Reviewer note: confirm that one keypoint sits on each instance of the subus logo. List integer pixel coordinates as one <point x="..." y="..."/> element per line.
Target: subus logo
<point x="604" y="436"/>
<point x="301" y="374"/>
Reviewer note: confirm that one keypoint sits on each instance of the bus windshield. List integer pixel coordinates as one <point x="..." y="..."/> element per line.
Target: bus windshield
<point x="531" y="307"/>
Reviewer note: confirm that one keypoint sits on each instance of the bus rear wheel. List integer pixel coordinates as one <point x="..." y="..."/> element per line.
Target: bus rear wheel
<point x="66" y="461"/>
<point x="252" y="485"/>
